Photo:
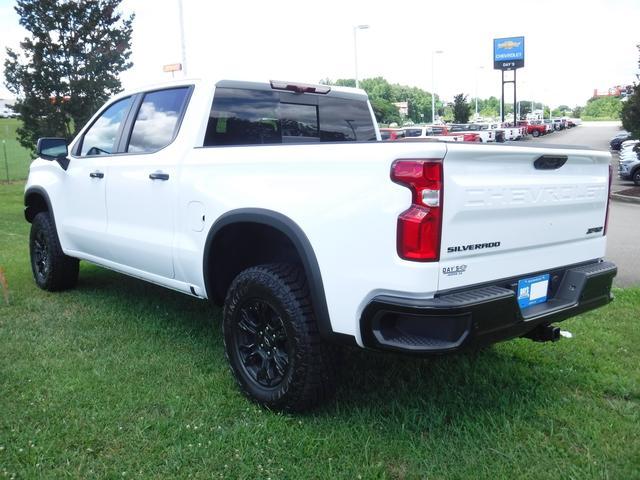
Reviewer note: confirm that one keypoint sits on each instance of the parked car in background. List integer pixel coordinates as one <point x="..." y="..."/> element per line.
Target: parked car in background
<point x="559" y="124"/>
<point x="548" y="123"/>
<point x="391" y="133"/>
<point x="485" y="135"/>
<point x="533" y="128"/>
<point x="445" y="130"/>
<point x="629" y="164"/>
<point x="498" y="131"/>
<point x="616" y="142"/>
<point x="427" y="131"/>
<point x="511" y="133"/>
<point x="7" y="113"/>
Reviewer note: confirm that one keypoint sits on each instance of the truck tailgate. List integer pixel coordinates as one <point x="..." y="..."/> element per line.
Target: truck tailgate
<point x="506" y="215"/>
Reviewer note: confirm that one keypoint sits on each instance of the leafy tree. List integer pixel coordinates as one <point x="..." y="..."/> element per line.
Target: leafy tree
<point x="525" y="108"/>
<point x="343" y="82"/>
<point x="69" y="64"/>
<point x="461" y="108"/>
<point x="577" y="112"/>
<point x="602" y="108"/>
<point x="631" y="110"/>
<point x="385" y="112"/>
<point x="631" y="113"/>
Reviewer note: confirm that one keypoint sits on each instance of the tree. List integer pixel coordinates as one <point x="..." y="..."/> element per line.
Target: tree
<point x="602" y="108"/>
<point x="577" y="112"/>
<point x="525" y="108"/>
<point x="461" y="109"/>
<point x="69" y="64"/>
<point x="631" y="110"/>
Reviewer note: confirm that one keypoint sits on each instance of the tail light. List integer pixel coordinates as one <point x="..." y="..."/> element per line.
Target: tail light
<point x="606" y="217"/>
<point x="420" y="226"/>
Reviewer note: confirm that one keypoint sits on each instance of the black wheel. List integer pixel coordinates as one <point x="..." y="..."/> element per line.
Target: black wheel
<point x="636" y="177"/>
<point x="272" y="341"/>
<point x="535" y="133"/>
<point x="52" y="269"/>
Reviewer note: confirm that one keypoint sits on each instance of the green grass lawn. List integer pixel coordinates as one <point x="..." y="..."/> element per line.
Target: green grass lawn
<point x="18" y="158"/>
<point x="122" y="379"/>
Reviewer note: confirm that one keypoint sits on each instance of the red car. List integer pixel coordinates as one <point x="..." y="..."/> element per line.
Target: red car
<point x="535" y="129"/>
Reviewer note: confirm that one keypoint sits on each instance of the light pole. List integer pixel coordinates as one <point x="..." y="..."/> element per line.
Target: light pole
<point x="355" y="47"/>
<point x="477" y="73"/>
<point x="182" y="43"/>
<point x="433" y="85"/>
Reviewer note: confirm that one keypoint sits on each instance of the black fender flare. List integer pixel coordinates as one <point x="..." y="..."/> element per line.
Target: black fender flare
<point x="28" y="212"/>
<point x="304" y="249"/>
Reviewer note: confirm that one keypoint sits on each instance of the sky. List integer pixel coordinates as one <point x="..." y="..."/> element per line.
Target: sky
<point x="571" y="47"/>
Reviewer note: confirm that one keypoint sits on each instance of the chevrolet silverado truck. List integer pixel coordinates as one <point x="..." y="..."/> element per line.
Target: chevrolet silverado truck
<point x="533" y="128"/>
<point x="279" y="202"/>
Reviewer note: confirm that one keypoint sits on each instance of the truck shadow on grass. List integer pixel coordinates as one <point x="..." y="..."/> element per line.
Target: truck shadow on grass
<point x="504" y="379"/>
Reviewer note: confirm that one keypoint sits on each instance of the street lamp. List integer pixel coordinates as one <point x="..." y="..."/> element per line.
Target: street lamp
<point x="477" y="73"/>
<point x="355" y="47"/>
<point x="183" y="50"/>
<point x="433" y="85"/>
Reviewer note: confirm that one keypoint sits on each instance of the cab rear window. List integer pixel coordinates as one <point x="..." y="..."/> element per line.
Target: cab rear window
<point x="258" y="117"/>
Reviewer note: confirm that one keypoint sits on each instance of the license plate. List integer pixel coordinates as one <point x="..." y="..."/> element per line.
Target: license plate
<point x="532" y="291"/>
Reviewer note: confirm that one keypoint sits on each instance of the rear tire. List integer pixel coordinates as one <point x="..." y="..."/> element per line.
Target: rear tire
<point x="52" y="269"/>
<point x="272" y="340"/>
<point x="535" y="133"/>
<point x="636" y="177"/>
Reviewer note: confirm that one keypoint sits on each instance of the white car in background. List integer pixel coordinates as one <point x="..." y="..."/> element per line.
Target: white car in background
<point x="426" y="131"/>
<point x="511" y="133"/>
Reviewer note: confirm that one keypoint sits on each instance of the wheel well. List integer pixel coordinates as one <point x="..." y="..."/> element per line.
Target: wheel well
<point x="241" y="245"/>
<point x="34" y="203"/>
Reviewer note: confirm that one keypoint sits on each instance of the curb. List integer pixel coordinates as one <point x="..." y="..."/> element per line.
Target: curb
<point x="625" y="198"/>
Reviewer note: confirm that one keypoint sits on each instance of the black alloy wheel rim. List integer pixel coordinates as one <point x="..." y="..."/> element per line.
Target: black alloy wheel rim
<point x="41" y="255"/>
<point x="261" y="343"/>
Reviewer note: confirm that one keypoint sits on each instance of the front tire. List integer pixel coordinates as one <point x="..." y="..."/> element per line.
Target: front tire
<point x="636" y="177"/>
<point x="52" y="269"/>
<point x="535" y="133"/>
<point x="272" y="340"/>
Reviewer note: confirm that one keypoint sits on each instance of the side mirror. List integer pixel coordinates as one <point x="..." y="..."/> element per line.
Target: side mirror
<point x="54" y="149"/>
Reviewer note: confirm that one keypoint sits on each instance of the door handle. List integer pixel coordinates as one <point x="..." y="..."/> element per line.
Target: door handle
<point x="96" y="175"/>
<point x="159" y="176"/>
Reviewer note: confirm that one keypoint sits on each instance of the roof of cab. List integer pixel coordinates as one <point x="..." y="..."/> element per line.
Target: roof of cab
<point x="342" y="92"/>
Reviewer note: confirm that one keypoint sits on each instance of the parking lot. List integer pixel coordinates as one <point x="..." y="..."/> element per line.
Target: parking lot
<point x="623" y="231"/>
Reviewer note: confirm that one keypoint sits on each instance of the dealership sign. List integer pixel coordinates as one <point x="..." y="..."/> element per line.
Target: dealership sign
<point x="508" y="53"/>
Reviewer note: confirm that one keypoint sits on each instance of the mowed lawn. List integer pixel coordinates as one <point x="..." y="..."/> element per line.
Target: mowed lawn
<point x="13" y="156"/>
<point x="122" y="379"/>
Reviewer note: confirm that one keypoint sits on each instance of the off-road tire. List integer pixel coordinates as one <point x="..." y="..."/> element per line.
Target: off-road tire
<point x="52" y="269"/>
<point x="310" y="374"/>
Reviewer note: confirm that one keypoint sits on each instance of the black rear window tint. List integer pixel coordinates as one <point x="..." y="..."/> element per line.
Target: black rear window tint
<point x="258" y="117"/>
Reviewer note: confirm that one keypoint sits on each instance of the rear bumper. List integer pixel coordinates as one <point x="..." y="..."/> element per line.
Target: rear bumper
<point x="481" y="315"/>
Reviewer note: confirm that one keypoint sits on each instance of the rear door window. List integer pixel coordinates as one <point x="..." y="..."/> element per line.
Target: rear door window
<point x="258" y="117"/>
<point x="157" y="120"/>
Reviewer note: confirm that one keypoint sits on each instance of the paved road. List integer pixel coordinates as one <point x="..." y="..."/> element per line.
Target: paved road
<point x="623" y="236"/>
<point x="590" y="134"/>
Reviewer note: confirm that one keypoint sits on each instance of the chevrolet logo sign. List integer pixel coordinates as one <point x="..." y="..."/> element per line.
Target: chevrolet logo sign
<point x="509" y="44"/>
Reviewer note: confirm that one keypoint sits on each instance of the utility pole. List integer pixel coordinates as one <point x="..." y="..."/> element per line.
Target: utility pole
<point x="182" y="42"/>
<point x="355" y="48"/>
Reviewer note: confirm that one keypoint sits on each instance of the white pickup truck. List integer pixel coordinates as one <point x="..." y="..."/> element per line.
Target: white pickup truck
<point x="277" y="201"/>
